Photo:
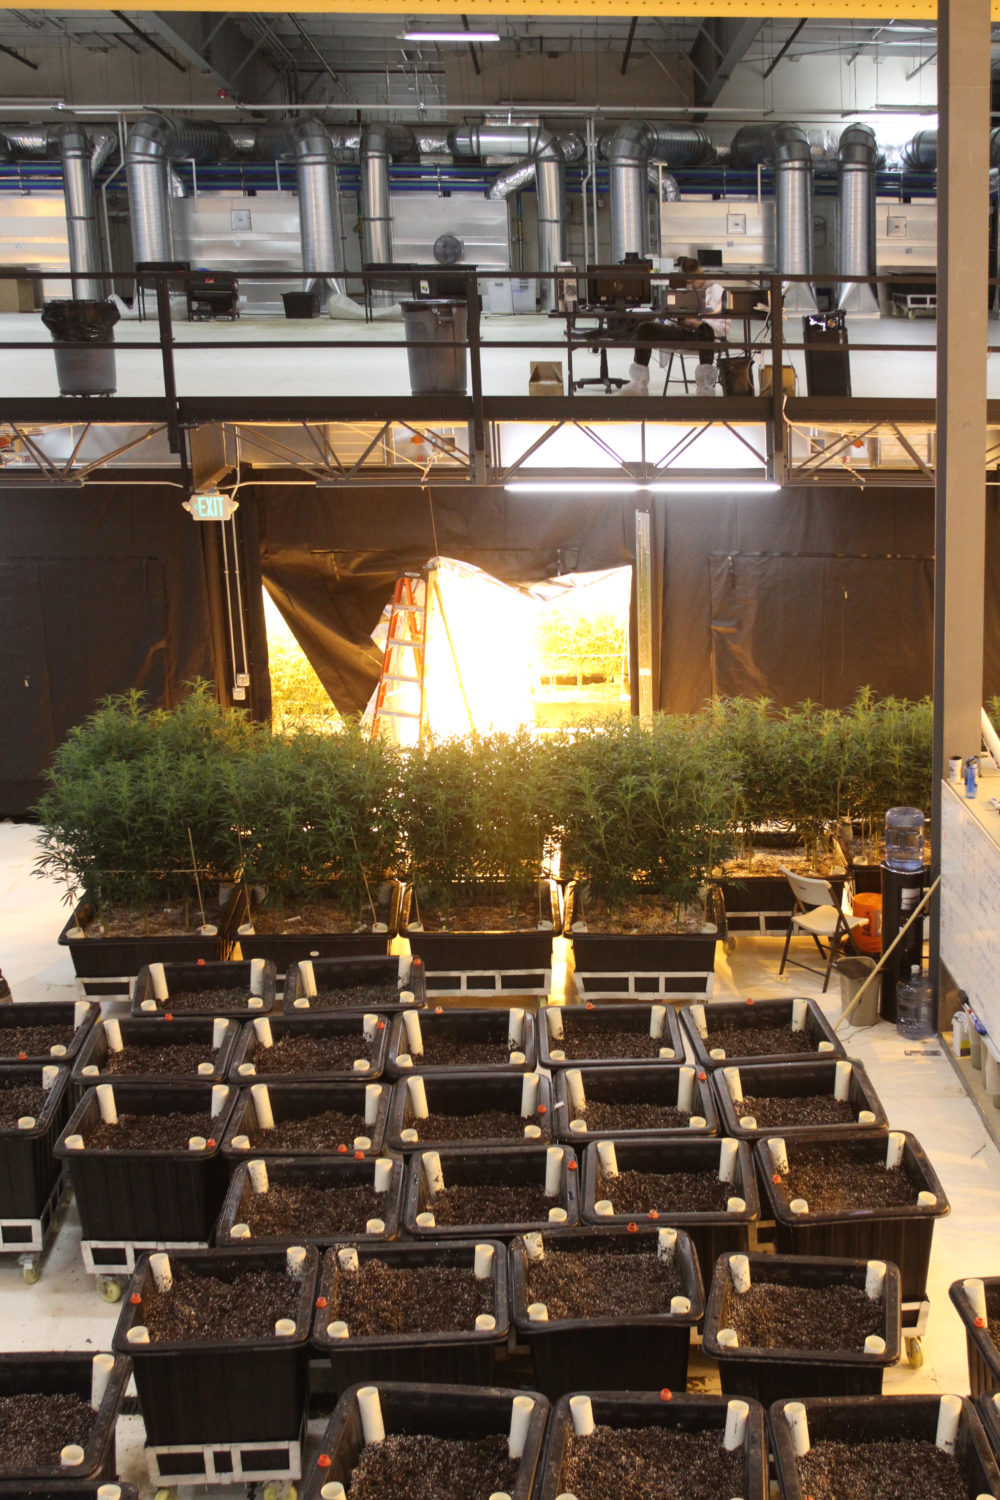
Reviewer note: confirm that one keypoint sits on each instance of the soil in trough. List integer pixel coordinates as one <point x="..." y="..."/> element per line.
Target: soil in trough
<point x="420" y="1467"/>
<point x="199" y="1307"/>
<point x="292" y="1053"/>
<point x="170" y="1132"/>
<point x="32" y="1041"/>
<point x="603" y="1042"/>
<point x="18" y="1100"/>
<point x="354" y="997"/>
<point x="993" y="1329"/>
<point x="796" y="1109"/>
<point x="35" y="1428"/>
<point x="905" y="1469"/>
<point x="831" y="1179"/>
<point x="601" y="1115"/>
<point x="319" y="1132"/>
<point x="220" y="1001"/>
<point x="484" y="1203"/>
<point x="488" y="1125"/>
<point x="380" y="1299"/>
<point x="647" y="1463"/>
<point x="679" y="1192"/>
<point x="314" y="1212"/>
<point x="600" y="1284"/>
<point x="758" y="1041"/>
<point x="455" y="1051"/>
<point x="828" y="1318"/>
<point x="170" y="1059"/>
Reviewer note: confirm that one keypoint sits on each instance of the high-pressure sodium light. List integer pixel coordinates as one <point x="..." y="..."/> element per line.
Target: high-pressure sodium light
<point x="451" y="36"/>
<point x="658" y="487"/>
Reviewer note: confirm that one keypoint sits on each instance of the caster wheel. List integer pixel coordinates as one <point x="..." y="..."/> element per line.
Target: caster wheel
<point x="111" y="1291"/>
<point x="730" y="944"/>
<point x="31" y="1273"/>
<point x="914" y="1353"/>
<point x="279" y="1489"/>
<point x="163" y="1494"/>
<point x="911" y="316"/>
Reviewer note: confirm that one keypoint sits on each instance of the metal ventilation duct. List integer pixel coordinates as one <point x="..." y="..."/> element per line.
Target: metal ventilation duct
<point x="376" y="213"/>
<point x="630" y="149"/>
<point x="857" y="156"/>
<point x="153" y="143"/>
<point x="787" y="146"/>
<point x="81" y="154"/>
<point x="319" y="207"/>
<point x="920" y="154"/>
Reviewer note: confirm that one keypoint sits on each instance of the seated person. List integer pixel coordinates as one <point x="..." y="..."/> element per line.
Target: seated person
<point x="701" y="328"/>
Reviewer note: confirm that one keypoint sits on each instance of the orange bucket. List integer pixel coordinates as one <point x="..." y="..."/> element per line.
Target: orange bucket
<point x="868" y="904"/>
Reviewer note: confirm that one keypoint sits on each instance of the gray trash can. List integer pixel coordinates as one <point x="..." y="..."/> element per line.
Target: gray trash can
<point x="852" y="973"/>
<point x="83" y="370"/>
<point x="442" y="321"/>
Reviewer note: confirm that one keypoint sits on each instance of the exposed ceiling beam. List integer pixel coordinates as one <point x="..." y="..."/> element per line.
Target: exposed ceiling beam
<point x="775" y="60"/>
<point x="149" y="41"/>
<point x="216" y="48"/>
<point x="721" y="43"/>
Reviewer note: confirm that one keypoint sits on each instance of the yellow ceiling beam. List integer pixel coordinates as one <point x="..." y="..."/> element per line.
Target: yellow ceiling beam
<point x="785" y="10"/>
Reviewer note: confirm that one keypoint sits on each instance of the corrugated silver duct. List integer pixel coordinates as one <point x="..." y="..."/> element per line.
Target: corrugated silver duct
<point x="857" y="157"/>
<point x="920" y="153"/>
<point x="630" y="149"/>
<point x="670" y="186"/>
<point x="572" y="146"/>
<point x="30" y="140"/>
<point x="81" y="217"/>
<point x="752" y="145"/>
<point x="6" y="154"/>
<point x="146" y="158"/>
<point x="546" y="156"/>
<point x="103" y="146"/>
<point x="319" y="205"/>
<point x="793" y="215"/>
<point x="512" y="180"/>
<point x="376" y="214"/>
<point x="683" y="145"/>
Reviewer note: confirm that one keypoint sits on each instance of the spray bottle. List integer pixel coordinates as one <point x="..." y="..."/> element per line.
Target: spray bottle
<point x="971" y="766"/>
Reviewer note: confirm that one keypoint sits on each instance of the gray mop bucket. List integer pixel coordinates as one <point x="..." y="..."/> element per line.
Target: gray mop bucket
<point x="442" y="321"/>
<point x="852" y="973"/>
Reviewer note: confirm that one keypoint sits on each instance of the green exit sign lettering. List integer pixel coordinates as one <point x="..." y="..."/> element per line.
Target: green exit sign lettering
<point x="211" y="505"/>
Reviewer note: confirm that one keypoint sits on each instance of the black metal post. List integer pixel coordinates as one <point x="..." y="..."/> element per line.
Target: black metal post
<point x="477" y="457"/>
<point x="166" y="330"/>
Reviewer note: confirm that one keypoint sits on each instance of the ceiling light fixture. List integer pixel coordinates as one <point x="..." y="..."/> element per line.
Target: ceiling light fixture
<point x="624" y="487"/>
<point x="451" y="36"/>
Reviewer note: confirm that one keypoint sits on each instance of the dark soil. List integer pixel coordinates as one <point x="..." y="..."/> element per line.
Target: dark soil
<point x="222" y="1001"/>
<point x="758" y="1041"/>
<point x="796" y="1109"/>
<point x="611" y="1117"/>
<point x="292" y="1053"/>
<point x="480" y="914"/>
<point x="489" y="1125"/>
<point x="600" y="1284"/>
<point x="354" y="997"/>
<point x="171" y="1059"/>
<point x="245" y="1306"/>
<point x="320" y="1132"/>
<point x="826" y="1318"/>
<point x="650" y="914"/>
<point x="379" y="1298"/>
<point x="34" y="1429"/>
<point x="150" y="1132"/>
<point x="21" y="1099"/>
<point x="314" y="1212"/>
<point x="312" y="915"/>
<point x="447" y="1051"/>
<point x="648" y="1463"/>
<point x="903" y="1470"/>
<point x="33" y="1041"/>
<point x="484" y="1203"/>
<point x="601" y="1041"/>
<point x="993" y="1329"/>
<point x="182" y="920"/>
<point x="427" y="1468"/>
<point x="831" y="1178"/>
<point x="680" y="1192"/>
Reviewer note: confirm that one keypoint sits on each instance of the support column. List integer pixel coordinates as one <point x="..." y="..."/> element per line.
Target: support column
<point x="960" y="514"/>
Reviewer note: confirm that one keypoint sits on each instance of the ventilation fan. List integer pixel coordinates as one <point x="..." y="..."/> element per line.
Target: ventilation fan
<point x="448" y="250"/>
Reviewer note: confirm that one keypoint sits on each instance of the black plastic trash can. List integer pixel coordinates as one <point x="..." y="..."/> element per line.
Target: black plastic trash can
<point x="301" y="304"/>
<point x="85" y="370"/>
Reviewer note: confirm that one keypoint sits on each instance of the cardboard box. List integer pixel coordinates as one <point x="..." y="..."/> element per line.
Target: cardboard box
<point x="787" y="380"/>
<point x="17" y="295"/>
<point x="545" y="378"/>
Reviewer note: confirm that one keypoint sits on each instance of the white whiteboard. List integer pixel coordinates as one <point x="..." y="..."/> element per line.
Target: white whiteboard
<point x="970" y="906"/>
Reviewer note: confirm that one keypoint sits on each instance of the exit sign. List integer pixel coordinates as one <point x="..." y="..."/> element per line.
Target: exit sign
<point x="211" y="505"/>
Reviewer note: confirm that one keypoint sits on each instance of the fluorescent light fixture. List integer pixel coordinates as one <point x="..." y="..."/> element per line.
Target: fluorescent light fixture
<point x="451" y="36"/>
<point x="658" y="487"/>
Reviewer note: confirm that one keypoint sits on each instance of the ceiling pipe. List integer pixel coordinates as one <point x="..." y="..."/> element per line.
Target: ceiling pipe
<point x="319" y="208"/>
<point x="629" y="151"/>
<point x="81" y="212"/>
<point x="376" y="211"/>
<point x="920" y="154"/>
<point x="857" y="158"/>
<point x="787" y="147"/>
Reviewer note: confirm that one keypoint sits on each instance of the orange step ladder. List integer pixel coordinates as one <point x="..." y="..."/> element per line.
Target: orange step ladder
<point x="402" y="679"/>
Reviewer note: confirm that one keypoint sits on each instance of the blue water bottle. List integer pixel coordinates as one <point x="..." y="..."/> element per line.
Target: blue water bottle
<point x="970" y="775"/>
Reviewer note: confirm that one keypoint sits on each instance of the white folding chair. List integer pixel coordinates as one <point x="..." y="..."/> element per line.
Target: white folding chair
<point x="818" y="914"/>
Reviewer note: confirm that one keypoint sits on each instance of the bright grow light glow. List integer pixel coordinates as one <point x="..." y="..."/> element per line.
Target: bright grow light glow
<point x="451" y="36"/>
<point x="624" y="487"/>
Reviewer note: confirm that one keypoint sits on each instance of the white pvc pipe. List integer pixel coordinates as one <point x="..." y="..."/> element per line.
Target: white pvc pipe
<point x="26" y="1122"/>
<point x="680" y="1306"/>
<point x="485" y="1323"/>
<point x="409" y="1136"/>
<point x="158" y="980"/>
<point x="866" y="1117"/>
<point x="197" y="1143"/>
<point x="247" y="1070"/>
<point x="369" y="1025"/>
<point x="717" y="1054"/>
<point x="240" y="1232"/>
<point x="576" y="1091"/>
<point x="373" y="1097"/>
<point x="604" y="1208"/>
<point x="733" y="1084"/>
<point x="697" y="1014"/>
<point x="149" y="1006"/>
<point x="241" y="1142"/>
<point x="113" y="1034"/>
<point x="383" y="1174"/>
<point x="534" y="1246"/>
<point x="697" y="1122"/>
<point x="798" y="1426"/>
<point x="426" y="1220"/>
<point x="875" y="1279"/>
<point x="482" y="1265"/>
<point x="608" y="1158"/>
<point x="91" y="1071"/>
<point x="433" y="1173"/>
<point x="842" y="1080"/>
<point x="219" y="1028"/>
<point x="727" y="1338"/>
<point x="737" y="1413"/>
<point x="895" y="1147"/>
<point x="666" y="1246"/>
<point x="108" y="1492"/>
<point x="75" y="1142"/>
<point x="748" y="1122"/>
<point x="414" y="1039"/>
<point x="81" y="1010"/>
<point x="516" y="1059"/>
<point x="521" y="1410"/>
<point x="926" y="1200"/>
<point x="685" y="1090"/>
<point x="220" y="1097"/>
<point x="256" y="976"/>
<point x="529" y="1095"/>
<point x="71" y="1456"/>
<point x="657" y="1020"/>
<point x="418" y="1097"/>
<point x="949" y="1415"/>
<point x="736" y="1205"/>
<point x="581" y="1409"/>
<point x="257" y="1172"/>
<point x="338" y="1330"/>
<point x="739" y="1272"/>
<point x="666" y="1052"/>
<point x="800" y="1009"/>
<point x="554" y="1157"/>
<point x="874" y="1344"/>
<point x="377" y="1226"/>
<point x="538" y="1312"/>
<point x="138" y="1334"/>
<point x="370" y="1408"/>
<point x="347" y="1259"/>
<point x="295" y="1262"/>
<point x="554" y="1021"/>
<point x="729" y="1151"/>
<point x="101" y="1367"/>
<point x="975" y="1291"/>
<point x="307" y="977"/>
<point x="262" y="1029"/>
<point x="159" y="1264"/>
<point x="333" y="1490"/>
<point x="558" y="1216"/>
<point x="515" y="1029"/>
<point x="556" y="1053"/>
<point x="798" y="1206"/>
<point x="262" y="1106"/>
<point x="302" y="1002"/>
<point x="106" y="1103"/>
<point x="362" y="1065"/>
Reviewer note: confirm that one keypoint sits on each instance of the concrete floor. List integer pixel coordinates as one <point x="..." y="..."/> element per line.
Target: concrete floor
<point x="919" y="1089"/>
<point x="367" y="367"/>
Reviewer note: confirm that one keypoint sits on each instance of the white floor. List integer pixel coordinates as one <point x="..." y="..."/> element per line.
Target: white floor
<point x="367" y="368"/>
<point x="919" y="1089"/>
